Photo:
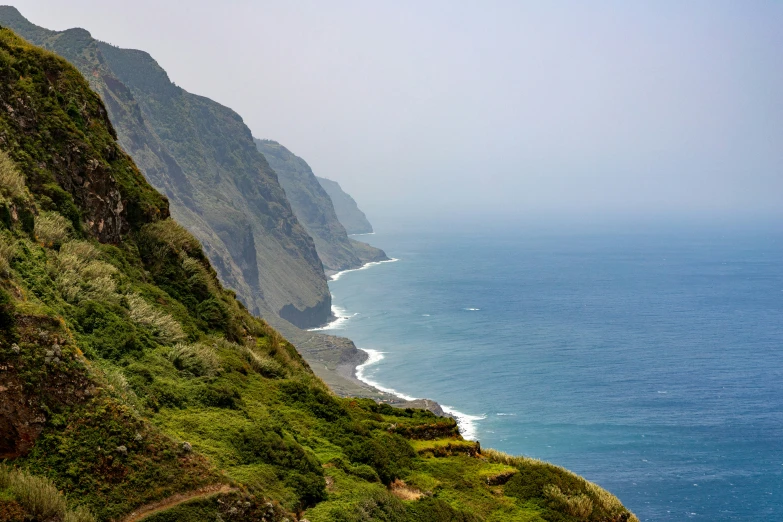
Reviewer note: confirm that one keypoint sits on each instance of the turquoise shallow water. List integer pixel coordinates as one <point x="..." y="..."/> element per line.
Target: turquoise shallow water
<point x="651" y="362"/>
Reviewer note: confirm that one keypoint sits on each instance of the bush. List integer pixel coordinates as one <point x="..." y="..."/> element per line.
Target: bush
<point x="80" y="514"/>
<point x="7" y="251"/>
<point x="263" y="364"/>
<point x="390" y="455"/>
<point x="80" y="275"/>
<point x="163" y="326"/>
<point x="196" y="359"/>
<point x="579" y="505"/>
<point x="52" y="229"/>
<point x="38" y="495"/>
<point x="11" y="180"/>
<point x="106" y="330"/>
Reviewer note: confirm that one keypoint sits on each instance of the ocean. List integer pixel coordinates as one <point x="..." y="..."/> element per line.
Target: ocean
<point x="649" y="360"/>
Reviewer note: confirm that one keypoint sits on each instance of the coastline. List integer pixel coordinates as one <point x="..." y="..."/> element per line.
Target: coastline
<point x="355" y="368"/>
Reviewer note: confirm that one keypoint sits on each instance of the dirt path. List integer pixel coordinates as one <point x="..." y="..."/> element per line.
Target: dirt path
<point x="143" y="512"/>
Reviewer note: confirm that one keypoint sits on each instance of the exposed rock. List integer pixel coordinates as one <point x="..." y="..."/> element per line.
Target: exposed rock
<point x="186" y="447"/>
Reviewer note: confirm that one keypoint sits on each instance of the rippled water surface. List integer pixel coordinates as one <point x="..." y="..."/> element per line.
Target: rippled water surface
<point x="650" y="361"/>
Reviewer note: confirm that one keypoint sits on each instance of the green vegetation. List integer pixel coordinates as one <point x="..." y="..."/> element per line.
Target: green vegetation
<point x="133" y="381"/>
<point x="38" y="497"/>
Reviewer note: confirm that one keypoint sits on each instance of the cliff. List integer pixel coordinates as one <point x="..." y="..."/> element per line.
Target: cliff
<point x="314" y="209"/>
<point x="202" y="156"/>
<point x="133" y="384"/>
<point x="348" y="212"/>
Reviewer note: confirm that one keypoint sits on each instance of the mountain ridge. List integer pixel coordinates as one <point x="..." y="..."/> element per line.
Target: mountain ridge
<point x="315" y="210"/>
<point x="193" y="148"/>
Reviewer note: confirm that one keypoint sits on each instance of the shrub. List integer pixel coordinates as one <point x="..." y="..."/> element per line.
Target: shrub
<point x="7" y="251"/>
<point x="165" y="327"/>
<point x="196" y="359"/>
<point x="11" y="180"/>
<point x="579" y="505"/>
<point x="263" y="364"/>
<point x="80" y="514"/>
<point x="173" y="235"/>
<point x="38" y="495"/>
<point x="80" y="275"/>
<point x="390" y="455"/>
<point x="52" y="229"/>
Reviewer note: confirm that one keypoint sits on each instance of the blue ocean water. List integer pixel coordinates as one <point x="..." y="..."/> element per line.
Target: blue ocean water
<point x="649" y="361"/>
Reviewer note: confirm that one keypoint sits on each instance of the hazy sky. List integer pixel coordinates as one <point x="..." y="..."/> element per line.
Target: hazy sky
<point x="469" y="107"/>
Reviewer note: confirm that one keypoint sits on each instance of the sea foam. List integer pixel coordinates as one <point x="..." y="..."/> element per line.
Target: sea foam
<point x="466" y="423"/>
<point x="341" y="317"/>
<point x="365" y="266"/>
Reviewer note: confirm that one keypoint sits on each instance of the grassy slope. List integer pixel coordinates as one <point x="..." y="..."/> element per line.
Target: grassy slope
<point x="124" y="349"/>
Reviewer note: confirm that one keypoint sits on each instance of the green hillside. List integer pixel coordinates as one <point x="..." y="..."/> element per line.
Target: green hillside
<point x="135" y="386"/>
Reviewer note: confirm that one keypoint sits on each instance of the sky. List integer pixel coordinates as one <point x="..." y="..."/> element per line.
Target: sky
<point x="620" y="108"/>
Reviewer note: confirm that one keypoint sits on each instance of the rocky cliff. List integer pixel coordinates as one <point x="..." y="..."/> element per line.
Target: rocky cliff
<point x="348" y="212"/>
<point x="314" y="209"/>
<point x="202" y="156"/>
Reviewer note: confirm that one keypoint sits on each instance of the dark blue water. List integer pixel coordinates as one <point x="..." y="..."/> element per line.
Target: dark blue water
<point x="649" y="361"/>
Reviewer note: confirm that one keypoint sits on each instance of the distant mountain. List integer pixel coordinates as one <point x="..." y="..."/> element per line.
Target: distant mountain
<point x="353" y="219"/>
<point x="314" y="209"/>
<point x="202" y="156"/>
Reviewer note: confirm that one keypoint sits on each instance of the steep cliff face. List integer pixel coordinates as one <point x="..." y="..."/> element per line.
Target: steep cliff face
<point x="348" y="212"/>
<point x="314" y="209"/>
<point x="202" y="156"/>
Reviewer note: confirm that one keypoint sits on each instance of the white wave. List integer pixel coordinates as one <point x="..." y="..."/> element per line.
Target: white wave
<point x="466" y="423"/>
<point x="471" y="309"/>
<point x="363" y="234"/>
<point x="374" y="357"/>
<point x="365" y="266"/>
<point x="507" y="414"/>
<point x="425" y="315"/>
<point x="341" y="317"/>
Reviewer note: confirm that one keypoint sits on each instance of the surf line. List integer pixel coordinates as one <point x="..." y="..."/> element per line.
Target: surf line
<point x="365" y="266"/>
<point x="466" y="423"/>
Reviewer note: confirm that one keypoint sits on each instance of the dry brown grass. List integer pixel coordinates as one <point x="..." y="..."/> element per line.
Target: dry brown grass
<point x="403" y="491"/>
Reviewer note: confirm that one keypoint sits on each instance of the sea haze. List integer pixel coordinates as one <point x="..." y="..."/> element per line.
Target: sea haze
<point x="650" y="361"/>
